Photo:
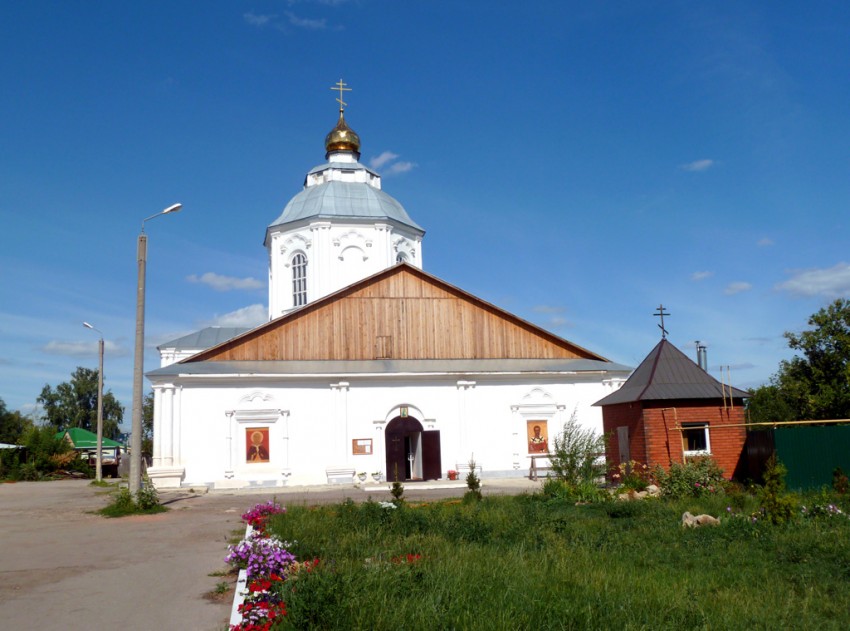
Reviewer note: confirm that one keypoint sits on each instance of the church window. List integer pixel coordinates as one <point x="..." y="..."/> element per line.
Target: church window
<point x="401" y="257"/>
<point x="299" y="280"/>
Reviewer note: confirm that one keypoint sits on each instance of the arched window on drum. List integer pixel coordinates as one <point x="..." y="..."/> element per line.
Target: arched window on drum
<point x="299" y="280"/>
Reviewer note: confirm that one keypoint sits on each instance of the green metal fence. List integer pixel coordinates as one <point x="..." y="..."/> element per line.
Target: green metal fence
<point x="811" y="453"/>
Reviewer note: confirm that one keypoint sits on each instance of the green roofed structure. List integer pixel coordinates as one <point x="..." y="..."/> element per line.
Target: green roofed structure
<point x="80" y="438"/>
<point x="85" y="443"/>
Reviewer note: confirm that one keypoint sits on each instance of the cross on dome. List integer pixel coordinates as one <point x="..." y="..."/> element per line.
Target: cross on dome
<point x="340" y="85"/>
<point x="342" y="138"/>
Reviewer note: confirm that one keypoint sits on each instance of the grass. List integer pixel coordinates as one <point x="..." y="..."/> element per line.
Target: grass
<point x="527" y="562"/>
<point x="124" y="505"/>
<point x="103" y="484"/>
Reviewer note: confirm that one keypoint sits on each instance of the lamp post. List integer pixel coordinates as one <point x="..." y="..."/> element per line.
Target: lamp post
<point x="138" y="365"/>
<point x="99" y="450"/>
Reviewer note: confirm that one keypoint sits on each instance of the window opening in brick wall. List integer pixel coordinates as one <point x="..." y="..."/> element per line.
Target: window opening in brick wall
<point x="695" y="439"/>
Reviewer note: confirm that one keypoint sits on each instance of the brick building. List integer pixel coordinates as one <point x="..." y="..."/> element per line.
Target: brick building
<point x="669" y="410"/>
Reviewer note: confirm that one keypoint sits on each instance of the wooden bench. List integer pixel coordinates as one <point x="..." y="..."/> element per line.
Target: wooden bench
<point x="534" y="468"/>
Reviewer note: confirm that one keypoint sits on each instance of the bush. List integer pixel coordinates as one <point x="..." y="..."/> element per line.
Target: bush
<point x="28" y="472"/>
<point x="777" y="505"/>
<point x="633" y="476"/>
<point x="696" y="478"/>
<point x="576" y="456"/>
<point x="123" y="504"/>
<point x="473" y="484"/>
<point x="583" y="492"/>
<point x="147" y="497"/>
<point x="840" y="482"/>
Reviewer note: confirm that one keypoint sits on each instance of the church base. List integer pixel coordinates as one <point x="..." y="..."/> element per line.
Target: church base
<point x="166" y="477"/>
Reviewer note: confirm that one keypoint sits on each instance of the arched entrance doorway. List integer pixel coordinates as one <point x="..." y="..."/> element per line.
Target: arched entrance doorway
<point x="412" y="452"/>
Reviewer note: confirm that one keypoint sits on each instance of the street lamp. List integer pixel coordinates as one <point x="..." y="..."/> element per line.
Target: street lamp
<point x="138" y="365"/>
<point x="99" y="451"/>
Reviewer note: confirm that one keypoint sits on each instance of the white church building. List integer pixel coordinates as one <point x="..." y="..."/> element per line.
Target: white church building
<point x="367" y="363"/>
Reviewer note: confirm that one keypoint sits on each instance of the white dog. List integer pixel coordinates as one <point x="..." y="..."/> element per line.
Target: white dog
<point x="695" y="521"/>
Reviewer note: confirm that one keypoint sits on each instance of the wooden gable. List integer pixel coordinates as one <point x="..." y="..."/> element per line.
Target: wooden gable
<point x="399" y="313"/>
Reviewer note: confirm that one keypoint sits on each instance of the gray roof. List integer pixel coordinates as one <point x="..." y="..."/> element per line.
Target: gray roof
<point x="347" y="166"/>
<point x="205" y="338"/>
<point x="395" y="366"/>
<point x="354" y="200"/>
<point x="667" y="373"/>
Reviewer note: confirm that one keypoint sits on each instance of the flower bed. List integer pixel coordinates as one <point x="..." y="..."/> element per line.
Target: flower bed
<point x="263" y="561"/>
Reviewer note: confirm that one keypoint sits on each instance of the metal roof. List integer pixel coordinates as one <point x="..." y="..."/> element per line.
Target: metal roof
<point x="205" y="338"/>
<point x="667" y="373"/>
<point x="355" y="200"/>
<point x="391" y="366"/>
<point x="347" y="166"/>
<point x="84" y="439"/>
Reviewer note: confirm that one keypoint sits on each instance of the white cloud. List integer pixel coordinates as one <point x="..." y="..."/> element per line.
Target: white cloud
<point x="250" y="316"/>
<point x="764" y="242"/>
<point x="225" y="283"/>
<point x="400" y="167"/>
<point x="388" y="159"/>
<point x="833" y="282"/>
<point x="698" y="165"/>
<point x="737" y="287"/>
<point x="257" y="20"/>
<point x="82" y="349"/>
<point x="315" y="25"/>
<point x="557" y="321"/>
<point x="378" y="161"/>
<point x="698" y="276"/>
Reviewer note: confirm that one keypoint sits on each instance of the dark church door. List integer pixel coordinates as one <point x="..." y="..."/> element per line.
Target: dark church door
<point x="432" y="466"/>
<point x="412" y="454"/>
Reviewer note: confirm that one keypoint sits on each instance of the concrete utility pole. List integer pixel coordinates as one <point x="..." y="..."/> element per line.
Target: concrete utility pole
<point x="139" y="359"/>
<point x="99" y="450"/>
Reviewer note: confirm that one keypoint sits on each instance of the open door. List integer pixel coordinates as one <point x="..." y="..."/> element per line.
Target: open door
<point x="412" y="453"/>
<point x="403" y="445"/>
<point x="432" y="466"/>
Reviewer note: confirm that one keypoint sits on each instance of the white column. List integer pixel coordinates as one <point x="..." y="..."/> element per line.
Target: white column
<point x="321" y="257"/>
<point x="274" y="267"/>
<point x="517" y="440"/>
<point x="284" y="442"/>
<point x="228" y="445"/>
<point x="176" y="422"/>
<point x="464" y="451"/>
<point x="340" y="438"/>
<point x="380" y="448"/>
<point x="168" y="424"/>
<point x="384" y="238"/>
<point x="157" y="427"/>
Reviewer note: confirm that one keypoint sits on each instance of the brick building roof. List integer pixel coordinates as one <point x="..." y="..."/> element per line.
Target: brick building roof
<point x="667" y="373"/>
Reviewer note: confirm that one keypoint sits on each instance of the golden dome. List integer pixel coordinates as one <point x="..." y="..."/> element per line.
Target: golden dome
<point x="342" y="138"/>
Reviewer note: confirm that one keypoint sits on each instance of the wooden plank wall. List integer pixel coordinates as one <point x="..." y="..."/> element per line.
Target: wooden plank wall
<point x="424" y="321"/>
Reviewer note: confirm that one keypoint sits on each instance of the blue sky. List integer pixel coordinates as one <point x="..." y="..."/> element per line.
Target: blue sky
<point x="575" y="163"/>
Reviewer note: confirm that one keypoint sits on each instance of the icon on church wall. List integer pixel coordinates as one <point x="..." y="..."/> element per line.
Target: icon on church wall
<point x="538" y="437"/>
<point x="257" y="444"/>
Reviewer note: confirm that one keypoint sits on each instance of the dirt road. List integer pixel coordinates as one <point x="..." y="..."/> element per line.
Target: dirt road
<point x="62" y="567"/>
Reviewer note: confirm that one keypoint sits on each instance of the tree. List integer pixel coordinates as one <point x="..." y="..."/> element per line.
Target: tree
<point x="816" y="383"/>
<point x="147" y="425"/>
<point x="13" y="425"/>
<point x="74" y="404"/>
